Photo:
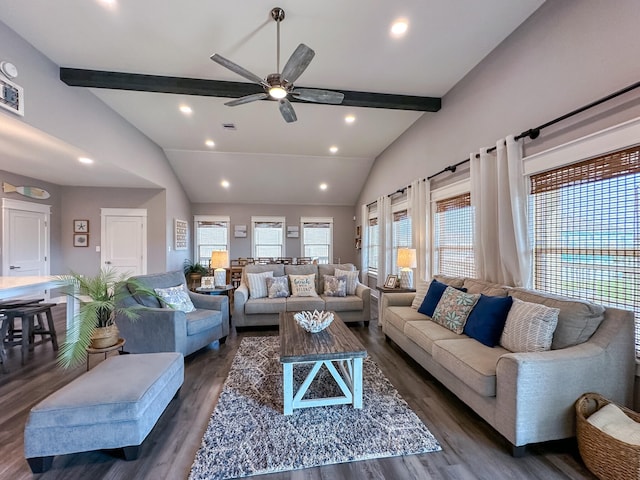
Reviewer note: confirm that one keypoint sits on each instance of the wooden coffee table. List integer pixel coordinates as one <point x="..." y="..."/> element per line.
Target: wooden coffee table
<point x="335" y="346"/>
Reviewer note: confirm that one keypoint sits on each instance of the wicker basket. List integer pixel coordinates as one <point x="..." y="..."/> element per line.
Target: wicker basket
<point x="104" y="337"/>
<point x="605" y="456"/>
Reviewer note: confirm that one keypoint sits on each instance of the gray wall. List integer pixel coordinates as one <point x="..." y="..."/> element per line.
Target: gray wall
<point x="79" y="118"/>
<point x="343" y="225"/>
<point x="567" y="54"/>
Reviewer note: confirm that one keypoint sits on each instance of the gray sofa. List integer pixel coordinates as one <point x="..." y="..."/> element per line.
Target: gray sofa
<point x="526" y="397"/>
<point x="265" y="311"/>
<point x="167" y="330"/>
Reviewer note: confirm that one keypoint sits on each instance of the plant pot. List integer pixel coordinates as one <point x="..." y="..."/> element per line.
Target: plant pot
<point x="194" y="280"/>
<point x="104" y="337"/>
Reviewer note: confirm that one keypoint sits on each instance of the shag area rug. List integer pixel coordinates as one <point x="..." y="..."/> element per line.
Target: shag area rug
<point x="249" y="435"/>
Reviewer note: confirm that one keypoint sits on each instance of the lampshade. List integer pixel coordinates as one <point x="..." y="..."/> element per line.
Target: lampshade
<point x="219" y="259"/>
<point x="406" y="258"/>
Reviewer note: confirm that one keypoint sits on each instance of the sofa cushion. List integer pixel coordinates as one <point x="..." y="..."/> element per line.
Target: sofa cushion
<point x="277" y="269"/>
<point x="529" y="327"/>
<point x="335" y="286"/>
<point x="487" y="319"/>
<point x="302" y="270"/>
<point x="422" y="287"/>
<point x="471" y="362"/>
<point x="343" y="304"/>
<point x="577" y="320"/>
<point x="257" y="283"/>
<point x="425" y="332"/>
<point x="156" y="280"/>
<point x="298" y="304"/>
<point x="278" y="287"/>
<point x="433" y="296"/>
<point x="330" y="269"/>
<point x="352" y="279"/>
<point x="303" y="285"/>
<point x="454" y="308"/>
<point x="398" y="316"/>
<point x="474" y="285"/>
<point x="201" y="320"/>
<point x="455" y="282"/>
<point x="265" y="305"/>
<point x="176" y="297"/>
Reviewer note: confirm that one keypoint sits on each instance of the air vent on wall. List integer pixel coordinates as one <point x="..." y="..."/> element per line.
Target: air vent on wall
<point x="229" y="126"/>
<point x="11" y="96"/>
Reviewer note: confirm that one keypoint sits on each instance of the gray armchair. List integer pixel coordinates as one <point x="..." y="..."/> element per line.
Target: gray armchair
<point x="160" y="329"/>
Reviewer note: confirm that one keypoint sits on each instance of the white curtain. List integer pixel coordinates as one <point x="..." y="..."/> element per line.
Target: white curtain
<point x="417" y="199"/>
<point x="498" y="194"/>
<point x="364" y="244"/>
<point x="385" y="245"/>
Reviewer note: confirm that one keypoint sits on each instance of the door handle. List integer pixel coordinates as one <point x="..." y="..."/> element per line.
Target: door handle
<point x="107" y="262"/>
<point x="13" y="267"/>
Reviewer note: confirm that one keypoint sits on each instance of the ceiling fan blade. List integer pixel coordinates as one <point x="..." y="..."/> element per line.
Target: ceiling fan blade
<point x="297" y="63"/>
<point x="235" y="68"/>
<point x="247" y="99"/>
<point x="287" y="111"/>
<point x="318" y="96"/>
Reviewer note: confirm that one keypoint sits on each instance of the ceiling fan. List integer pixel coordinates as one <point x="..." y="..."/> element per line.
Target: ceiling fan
<point x="279" y="85"/>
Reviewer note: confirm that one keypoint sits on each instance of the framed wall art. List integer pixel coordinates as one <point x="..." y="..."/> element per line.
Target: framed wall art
<point x="81" y="226"/>
<point x="80" y="240"/>
<point x="180" y="234"/>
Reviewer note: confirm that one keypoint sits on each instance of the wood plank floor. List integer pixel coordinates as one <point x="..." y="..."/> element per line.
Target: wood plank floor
<point x="470" y="448"/>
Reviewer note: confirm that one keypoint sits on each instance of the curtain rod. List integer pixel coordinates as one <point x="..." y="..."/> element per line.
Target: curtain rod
<point x="534" y="133"/>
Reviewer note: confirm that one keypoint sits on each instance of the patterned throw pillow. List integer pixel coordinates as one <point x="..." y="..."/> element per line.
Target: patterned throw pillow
<point x="454" y="308"/>
<point x="352" y="279"/>
<point x="335" y="286"/>
<point x="278" y="287"/>
<point x="175" y="297"/>
<point x="529" y="327"/>
<point x="303" y="285"/>
<point x="258" y="284"/>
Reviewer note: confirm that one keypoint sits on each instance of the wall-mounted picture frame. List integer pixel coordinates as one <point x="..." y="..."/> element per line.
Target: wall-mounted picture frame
<point x="240" y="231"/>
<point x="81" y="226"/>
<point x="180" y="234"/>
<point x="293" y="231"/>
<point x="80" y="239"/>
<point x="391" y="281"/>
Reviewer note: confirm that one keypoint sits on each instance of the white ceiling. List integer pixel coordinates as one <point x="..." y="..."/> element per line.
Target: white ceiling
<point x="354" y="51"/>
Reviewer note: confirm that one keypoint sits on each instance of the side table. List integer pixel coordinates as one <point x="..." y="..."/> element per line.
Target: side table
<point x="106" y="350"/>
<point x="384" y="290"/>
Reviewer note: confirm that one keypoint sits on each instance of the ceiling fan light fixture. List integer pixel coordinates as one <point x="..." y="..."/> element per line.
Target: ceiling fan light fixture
<point x="277" y="92"/>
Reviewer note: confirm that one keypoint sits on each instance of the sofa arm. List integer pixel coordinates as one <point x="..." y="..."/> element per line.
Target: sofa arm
<point x="154" y="330"/>
<point x="211" y="302"/>
<point x="240" y="297"/>
<point x="364" y="292"/>
<point x="397" y="299"/>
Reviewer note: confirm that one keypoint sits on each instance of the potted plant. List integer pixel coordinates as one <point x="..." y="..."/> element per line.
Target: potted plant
<point x="94" y="323"/>
<point x="193" y="272"/>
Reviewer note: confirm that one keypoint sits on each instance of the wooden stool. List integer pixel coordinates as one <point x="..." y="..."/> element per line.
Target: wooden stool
<point x="28" y="315"/>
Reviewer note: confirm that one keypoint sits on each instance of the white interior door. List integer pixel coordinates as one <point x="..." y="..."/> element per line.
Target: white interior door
<point x="124" y="240"/>
<point x="25" y="238"/>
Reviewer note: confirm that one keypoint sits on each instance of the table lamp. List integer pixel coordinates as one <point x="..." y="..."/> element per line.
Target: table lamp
<point x="219" y="262"/>
<point x="406" y="262"/>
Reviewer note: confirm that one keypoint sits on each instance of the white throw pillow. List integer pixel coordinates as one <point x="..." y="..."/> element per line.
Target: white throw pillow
<point x="613" y="421"/>
<point x="175" y="297"/>
<point x="257" y="283"/>
<point x="352" y="279"/>
<point x="303" y="285"/>
<point x="529" y="327"/>
<point x="421" y="291"/>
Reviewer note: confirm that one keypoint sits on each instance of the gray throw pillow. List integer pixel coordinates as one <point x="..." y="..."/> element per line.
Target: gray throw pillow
<point x="335" y="286"/>
<point x="278" y="287"/>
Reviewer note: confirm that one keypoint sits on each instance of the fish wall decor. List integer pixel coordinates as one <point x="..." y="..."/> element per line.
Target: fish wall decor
<point x="31" y="192"/>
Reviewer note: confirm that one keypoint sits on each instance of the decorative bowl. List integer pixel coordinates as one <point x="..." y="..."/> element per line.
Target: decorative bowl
<point x="315" y="321"/>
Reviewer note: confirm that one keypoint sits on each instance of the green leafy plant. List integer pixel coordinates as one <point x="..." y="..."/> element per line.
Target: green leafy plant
<point x="189" y="267"/>
<point x="97" y="297"/>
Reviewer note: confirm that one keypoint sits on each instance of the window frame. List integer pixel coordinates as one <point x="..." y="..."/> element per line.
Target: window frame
<point x="400" y="205"/>
<point x="209" y="218"/>
<point x="269" y="219"/>
<point x="372" y="247"/>
<point x="303" y="244"/>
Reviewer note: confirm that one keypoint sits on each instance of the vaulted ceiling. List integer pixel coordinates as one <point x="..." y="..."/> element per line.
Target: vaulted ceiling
<point x="354" y="51"/>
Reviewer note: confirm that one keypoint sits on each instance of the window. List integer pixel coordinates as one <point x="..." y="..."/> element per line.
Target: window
<point x="453" y="236"/>
<point x="401" y="234"/>
<point x="586" y="231"/>
<point x="317" y="238"/>
<point x="212" y="233"/>
<point x="373" y="242"/>
<point x="267" y="236"/>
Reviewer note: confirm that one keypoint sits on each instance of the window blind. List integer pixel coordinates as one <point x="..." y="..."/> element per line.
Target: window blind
<point x="453" y="236"/>
<point x="401" y="232"/>
<point x="317" y="240"/>
<point x="210" y="236"/>
<point x="374" y="239"/>
<point x="586" y="231"/>
<point x="268" y="239"/>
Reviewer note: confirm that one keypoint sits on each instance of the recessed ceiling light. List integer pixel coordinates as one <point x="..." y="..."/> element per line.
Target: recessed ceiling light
<point x="399" y="28"/>
<point x="85" y="160"/>
<point x="323" y="186"/>
<point x="108" y="3"/>
<point x="225" y="183"/>
<point x="186" y="109"/>
<point x="210" y="143"/>
<point x="350" y="118"/>
<point x="333" y="149"/>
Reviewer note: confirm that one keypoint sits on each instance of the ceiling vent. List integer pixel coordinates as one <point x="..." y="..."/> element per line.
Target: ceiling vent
<point x="229" y="126"/>
<point x="11" y="96"/>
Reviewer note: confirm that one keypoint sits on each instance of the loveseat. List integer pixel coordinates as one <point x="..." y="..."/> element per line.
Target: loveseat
<point x="528" y="397"/>
<point x="249" y="311"/>
<point x="161" y="328"/>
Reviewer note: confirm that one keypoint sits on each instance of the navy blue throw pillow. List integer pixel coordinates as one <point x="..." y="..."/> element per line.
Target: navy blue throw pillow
<point x="486" y="320"/>
<point x="433" y="296"/>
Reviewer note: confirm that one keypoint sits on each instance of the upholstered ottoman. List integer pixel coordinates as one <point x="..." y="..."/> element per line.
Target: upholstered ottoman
<point x="115" y="405"/>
